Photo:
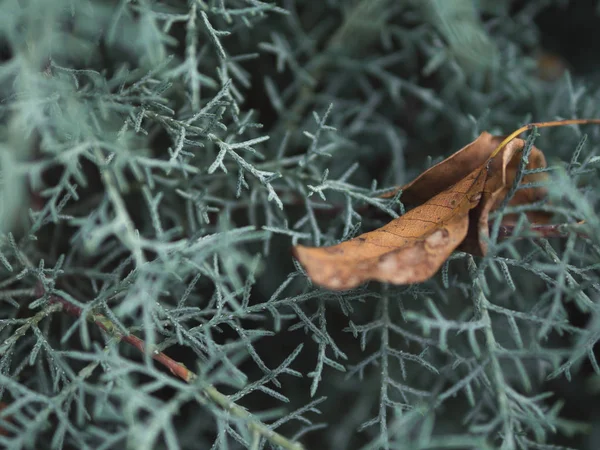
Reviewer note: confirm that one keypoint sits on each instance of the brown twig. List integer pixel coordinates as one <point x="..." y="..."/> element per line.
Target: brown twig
<point x="179" y="370"/>
<point x="3" y="431"/>
<point x="545" y="231"/>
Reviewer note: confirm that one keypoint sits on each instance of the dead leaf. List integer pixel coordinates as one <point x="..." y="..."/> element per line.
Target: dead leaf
<point x="402" y="251"/>
<point x="409" y="249"/>
<point x="458" y="195"/>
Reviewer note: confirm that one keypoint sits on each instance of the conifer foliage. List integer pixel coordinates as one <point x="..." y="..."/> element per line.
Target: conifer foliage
<point x="160" y="159"/>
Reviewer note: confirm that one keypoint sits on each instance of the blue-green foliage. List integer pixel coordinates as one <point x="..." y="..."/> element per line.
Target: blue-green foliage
<point x="158" y="160"/>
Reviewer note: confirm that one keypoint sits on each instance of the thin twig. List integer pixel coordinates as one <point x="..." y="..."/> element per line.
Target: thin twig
<point x="179" y="370"/>
<point x="540" y="231"/>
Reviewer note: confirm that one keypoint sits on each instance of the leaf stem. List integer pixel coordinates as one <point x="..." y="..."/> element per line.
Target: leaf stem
<point x="552" y="123"/>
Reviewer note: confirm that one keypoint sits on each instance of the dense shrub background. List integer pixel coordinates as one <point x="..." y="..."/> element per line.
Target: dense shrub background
<point x="158" y="160"/>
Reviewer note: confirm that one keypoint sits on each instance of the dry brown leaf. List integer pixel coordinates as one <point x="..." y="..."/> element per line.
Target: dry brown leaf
<point x="458" y="195"/>
<point x="409" y="249"/>
<point x="401" y="251"/>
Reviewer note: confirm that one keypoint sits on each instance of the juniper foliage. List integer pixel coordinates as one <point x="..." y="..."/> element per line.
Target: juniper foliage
<point x="158" y="159"/>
